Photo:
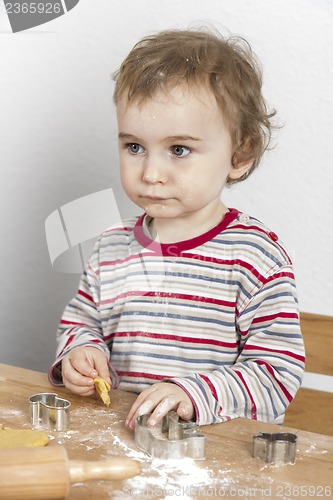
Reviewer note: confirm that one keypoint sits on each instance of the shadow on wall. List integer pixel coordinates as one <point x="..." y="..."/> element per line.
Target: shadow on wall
<point x="72" y="229"/>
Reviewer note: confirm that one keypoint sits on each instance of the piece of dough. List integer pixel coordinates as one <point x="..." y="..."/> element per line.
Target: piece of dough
<point x="21" y="438"/>
<point x="102" y="387"/>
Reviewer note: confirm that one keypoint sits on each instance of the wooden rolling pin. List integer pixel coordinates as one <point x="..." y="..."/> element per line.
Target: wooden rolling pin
<point x="46" y="473"/>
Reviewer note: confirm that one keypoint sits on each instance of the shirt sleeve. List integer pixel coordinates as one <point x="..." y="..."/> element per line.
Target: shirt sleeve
<point x="269" y="368"/>
<point x="81" y="326"/>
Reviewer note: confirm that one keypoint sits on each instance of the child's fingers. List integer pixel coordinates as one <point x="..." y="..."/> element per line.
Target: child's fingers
<point x="74" y="381"/>
<point x="141" y="406"/>
<point x="81" y="366"/>
<point x="81" y="390"/>
<point x="102" y="368"/>
<point x="81" y="363"/>
<point x="145" y="403"/>
<point x="166" y="405"/>
<point x="185" y="410"/>
<point x="159" y="399"/>
<point x="97" y="364"/>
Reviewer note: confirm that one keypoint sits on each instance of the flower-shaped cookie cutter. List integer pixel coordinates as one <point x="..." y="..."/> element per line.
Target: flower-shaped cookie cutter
<point x="170" y="438"/>
<point x="279" y="447"/>
<point x="48" y="411"/>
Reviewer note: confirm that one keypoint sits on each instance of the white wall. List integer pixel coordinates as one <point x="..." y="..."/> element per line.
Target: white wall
<point x="58" y="142"/>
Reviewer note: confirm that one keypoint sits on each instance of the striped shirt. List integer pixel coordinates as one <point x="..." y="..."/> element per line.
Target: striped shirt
<point x="216" y="315"/>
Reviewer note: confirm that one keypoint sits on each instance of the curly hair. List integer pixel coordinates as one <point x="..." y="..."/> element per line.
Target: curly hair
<point x="191" y="58"/>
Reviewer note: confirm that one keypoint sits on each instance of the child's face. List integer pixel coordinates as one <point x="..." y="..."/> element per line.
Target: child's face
<point x="175" y="154"/>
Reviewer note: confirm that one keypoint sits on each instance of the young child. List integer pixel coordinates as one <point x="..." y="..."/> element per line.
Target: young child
<point x="193" y="304"/>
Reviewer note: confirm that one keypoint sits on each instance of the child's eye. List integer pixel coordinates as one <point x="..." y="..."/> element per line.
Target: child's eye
<point x="134" y="148"/>
<point x="180" y="151"/>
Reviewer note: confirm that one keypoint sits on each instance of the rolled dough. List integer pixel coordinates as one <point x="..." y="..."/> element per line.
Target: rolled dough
<point x="102" y="387"/>
<point x="21" y="438"/>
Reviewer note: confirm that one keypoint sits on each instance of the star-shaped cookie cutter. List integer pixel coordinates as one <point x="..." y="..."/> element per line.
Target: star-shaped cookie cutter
<point x="170" y="438"/>
<point x="50" y="412"/>
<point x="279" y="447"/>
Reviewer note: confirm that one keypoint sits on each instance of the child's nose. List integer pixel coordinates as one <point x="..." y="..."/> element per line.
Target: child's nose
<point x="154" y="171"/>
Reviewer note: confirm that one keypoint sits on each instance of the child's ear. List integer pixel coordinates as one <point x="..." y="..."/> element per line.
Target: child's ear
<point x="242" y="160"/>
<point x="237" y="171"/>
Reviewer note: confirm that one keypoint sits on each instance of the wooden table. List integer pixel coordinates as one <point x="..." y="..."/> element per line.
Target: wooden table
<point x="229" y="471"/>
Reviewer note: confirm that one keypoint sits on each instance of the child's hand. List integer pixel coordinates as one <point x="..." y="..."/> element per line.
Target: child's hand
<point x="159" y="399"/>
<point x="81" y="366"/>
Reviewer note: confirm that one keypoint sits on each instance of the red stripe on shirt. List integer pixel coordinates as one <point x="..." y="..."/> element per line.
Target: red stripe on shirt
<point x="271" y="317"/>
<point x="162" y="336"/>
<point x="149" y="376"/>
<point x="274" y="351"/>
<point x="85" y="295"/>
<point x="211" y="386"/>
<point x="253" y="405"/>
<point x="170" y="295"/>
<point x="271" y="371"/>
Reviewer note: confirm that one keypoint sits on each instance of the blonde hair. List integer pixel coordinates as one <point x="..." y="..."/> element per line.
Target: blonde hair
<point x="226" y="66"/>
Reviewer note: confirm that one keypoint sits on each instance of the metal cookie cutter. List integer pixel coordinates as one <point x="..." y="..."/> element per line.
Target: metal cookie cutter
<point x="170" y="438"/>
<point x="50" y="412"/>
<point x="275" y="448"/>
